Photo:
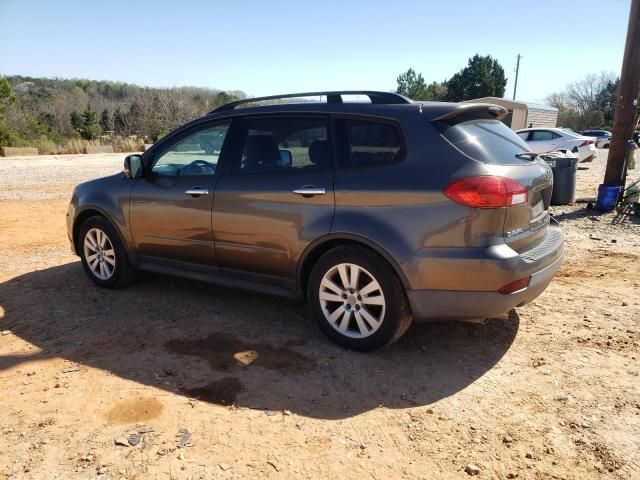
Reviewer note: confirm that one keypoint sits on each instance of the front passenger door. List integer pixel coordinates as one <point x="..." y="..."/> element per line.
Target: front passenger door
<point x="170" y="208"/>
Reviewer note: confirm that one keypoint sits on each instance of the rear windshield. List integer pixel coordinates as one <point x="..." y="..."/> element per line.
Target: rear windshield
<point x="488" y="141"/>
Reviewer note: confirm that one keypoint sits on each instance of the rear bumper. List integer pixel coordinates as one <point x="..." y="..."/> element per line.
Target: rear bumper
<point x="588" y="153"/>
<point x="475" y="293"/>
<point x="429" y="305"/>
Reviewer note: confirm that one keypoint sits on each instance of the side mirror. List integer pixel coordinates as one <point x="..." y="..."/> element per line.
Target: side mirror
<point x="132" y="166"/>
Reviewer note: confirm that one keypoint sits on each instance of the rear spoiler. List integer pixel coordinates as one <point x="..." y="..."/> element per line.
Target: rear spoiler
<point x="466" y="110"/>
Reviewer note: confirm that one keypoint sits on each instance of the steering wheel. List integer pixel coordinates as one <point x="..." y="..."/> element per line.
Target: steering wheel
<point x="201" y="165"/>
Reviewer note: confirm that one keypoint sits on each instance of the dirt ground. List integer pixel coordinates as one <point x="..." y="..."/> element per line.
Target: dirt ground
<point x="161" y="379"/>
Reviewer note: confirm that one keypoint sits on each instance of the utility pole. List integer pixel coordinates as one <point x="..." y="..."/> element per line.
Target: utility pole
<point x="623" y="121"/>
<point x="515" y="86"/>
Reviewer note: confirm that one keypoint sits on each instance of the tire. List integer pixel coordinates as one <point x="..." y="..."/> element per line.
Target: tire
<point x="99" y="235"/>
<point x="377" y="315"/>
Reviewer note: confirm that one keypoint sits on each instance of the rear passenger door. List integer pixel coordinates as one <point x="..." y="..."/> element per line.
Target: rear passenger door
<point x="371" y="178"/>
<point x="277" y="199"/>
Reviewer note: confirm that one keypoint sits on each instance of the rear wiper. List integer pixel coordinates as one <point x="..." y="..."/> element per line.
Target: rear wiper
<point x="527" y="155"/>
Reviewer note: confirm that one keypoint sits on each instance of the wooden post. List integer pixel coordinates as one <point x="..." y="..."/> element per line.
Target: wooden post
<point x="623" y="121"/>
<point x="515" y="86"/>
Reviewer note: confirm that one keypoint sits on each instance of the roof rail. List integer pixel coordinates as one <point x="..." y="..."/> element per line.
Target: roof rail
<point x="332" y="97"/>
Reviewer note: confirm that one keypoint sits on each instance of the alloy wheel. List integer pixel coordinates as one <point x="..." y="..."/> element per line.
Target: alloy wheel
<point x="99" y="254"/>
<point x="352" y="300"/>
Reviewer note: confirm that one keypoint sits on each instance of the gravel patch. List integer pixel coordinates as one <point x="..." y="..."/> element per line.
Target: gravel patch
<point x="47" y="177"/>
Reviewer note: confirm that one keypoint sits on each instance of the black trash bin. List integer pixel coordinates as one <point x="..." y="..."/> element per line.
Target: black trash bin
<point x="564" y="169"/>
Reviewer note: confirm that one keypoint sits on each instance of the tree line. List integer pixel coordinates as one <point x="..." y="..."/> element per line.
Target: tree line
<point x="586" y="103"/>
<point x="49" y="112"/>
<point x="483" y="76"/>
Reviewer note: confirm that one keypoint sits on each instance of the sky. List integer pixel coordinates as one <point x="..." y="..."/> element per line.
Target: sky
<point x="282" y="46"/>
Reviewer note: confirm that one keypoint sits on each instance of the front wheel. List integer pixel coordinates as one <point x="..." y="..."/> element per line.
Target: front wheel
<point x="357" y="300"/>
<point x="103" y="256"/>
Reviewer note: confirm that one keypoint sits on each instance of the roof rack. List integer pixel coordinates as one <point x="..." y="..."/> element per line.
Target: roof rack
<point x="332" y="97"/>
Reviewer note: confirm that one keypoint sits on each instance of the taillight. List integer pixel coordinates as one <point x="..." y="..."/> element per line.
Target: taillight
<point x="586" y="143"/>
<point x="486" y="192"/>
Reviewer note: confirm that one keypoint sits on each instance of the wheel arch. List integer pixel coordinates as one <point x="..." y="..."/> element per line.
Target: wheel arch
<point x="93" y="211"/>
<point x="322" y="245"/>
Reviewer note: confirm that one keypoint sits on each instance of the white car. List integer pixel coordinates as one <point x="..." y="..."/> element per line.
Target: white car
<point x="543" y="140"/>
<point x="603" y="137"/>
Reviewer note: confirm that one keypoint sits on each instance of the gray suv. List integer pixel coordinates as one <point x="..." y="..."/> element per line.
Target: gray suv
<point x="378" y="213"/>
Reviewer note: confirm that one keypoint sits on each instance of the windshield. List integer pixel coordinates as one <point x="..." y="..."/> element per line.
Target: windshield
<point x="488" y="141"/>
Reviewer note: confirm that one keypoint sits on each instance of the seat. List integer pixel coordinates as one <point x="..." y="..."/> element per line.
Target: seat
<point x="261" y="153"/>
<point x="319" y="154"/>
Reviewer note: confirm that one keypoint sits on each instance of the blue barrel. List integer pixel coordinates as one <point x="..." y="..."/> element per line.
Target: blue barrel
<point x="607" y="197"/>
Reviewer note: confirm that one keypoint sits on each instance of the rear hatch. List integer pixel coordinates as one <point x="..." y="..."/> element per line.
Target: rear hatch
<point x="481" y="136"/>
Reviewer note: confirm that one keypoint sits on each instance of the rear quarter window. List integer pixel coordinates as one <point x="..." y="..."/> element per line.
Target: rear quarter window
<point x="365" y="143"/>
<point x="487" y="141"/>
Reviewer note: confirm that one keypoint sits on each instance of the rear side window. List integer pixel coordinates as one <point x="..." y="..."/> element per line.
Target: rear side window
<point x="363" y="143"/>
<point x="487" y="141"/>
<point x="285" y="144"/>
<point x="543" y="135"/>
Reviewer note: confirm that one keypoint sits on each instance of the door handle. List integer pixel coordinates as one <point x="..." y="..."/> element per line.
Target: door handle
<point x="309" y="191"/>
<point x="196" y="191"/>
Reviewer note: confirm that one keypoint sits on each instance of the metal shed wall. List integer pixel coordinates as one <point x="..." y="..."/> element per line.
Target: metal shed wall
<point x="519" y="119"/>
<point x="537" y="118"/>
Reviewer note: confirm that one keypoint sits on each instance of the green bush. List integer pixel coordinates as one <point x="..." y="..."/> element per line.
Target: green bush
<point x="11" y="138"/>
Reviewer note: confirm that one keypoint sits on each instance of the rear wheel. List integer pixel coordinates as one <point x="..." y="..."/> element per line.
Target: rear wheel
<point x="103" y="256"/>
<point x="357" y="300"/>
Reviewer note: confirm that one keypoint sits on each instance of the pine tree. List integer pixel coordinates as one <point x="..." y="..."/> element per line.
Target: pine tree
<point x="76" y="122"/>
<point x="119" y="121"/>
<point x="482" y="77"/>
<point x="90" y="129"/>
<point x="412" y="85"/>
<point x="105" y="121"/>
<point x="7" y="96"/>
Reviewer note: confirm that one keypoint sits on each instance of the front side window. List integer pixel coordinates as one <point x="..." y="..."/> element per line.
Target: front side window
<point x="285" y="144"/>
<point x="196" y="154"/>
<point x="368" y="142"/>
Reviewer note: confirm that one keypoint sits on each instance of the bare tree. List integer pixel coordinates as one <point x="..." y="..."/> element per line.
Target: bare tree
<point x="582" y="94"/>
<point x="557" y="99"/>
<point x="586" y="102"/>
